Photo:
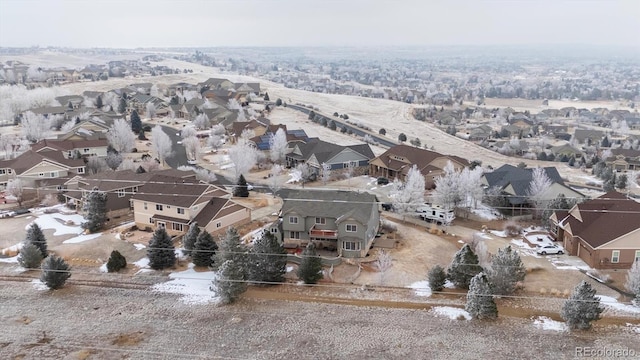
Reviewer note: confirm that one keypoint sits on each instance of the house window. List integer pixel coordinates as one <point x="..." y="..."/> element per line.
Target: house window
<point x="351" y="245"/>
<point x="3" y="171"/>
<point x="274" y="230"/>
<point x="352" y="228"/>
<point x="53" y="174"/>
<point x="637" y="259"/>
<point x="218" y="225"/>
<point x="162" y="224"/>
<point x="135" y="189"/>
<point x="41" y="174"/>
<point x="120" y="193"/>
<point x="86" y="150"/>
<point x="150" y="220"/>
<point x="350" y="163"/>
<point x="145" y="206"/>
<point x="294" y="234"/>
<point x="321" y="221"/>
<point x="130" y="204"/>
<point x="293" y="219"/>
<point x="9" y="171"/>
<point x="180" y="210"/>
<point x="80" y="170"/>
<point x="615" y="256"/>
<point x="176" y="226"/>
<point x="159" y="207"/>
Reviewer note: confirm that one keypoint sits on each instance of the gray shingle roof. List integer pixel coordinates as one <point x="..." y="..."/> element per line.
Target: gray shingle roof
<point x="330" y="204"/>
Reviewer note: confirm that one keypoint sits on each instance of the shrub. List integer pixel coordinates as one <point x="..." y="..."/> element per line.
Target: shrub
<point x="512" y="229"/>
<point x="55" y="272"/>
<point x="437" y="277"/>
<point x="116" y="262"/>
<point x="30" y="256"/>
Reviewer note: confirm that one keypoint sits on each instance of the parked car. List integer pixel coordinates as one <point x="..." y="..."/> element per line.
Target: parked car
<point x="387" y="206"/>
<point x="383" y="181"/>
<point x="549" y="249"/>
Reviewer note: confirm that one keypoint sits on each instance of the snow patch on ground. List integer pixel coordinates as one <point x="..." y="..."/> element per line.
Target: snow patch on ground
<point x="421" y="288"/>
<point x="256" y="234"/>
<point x="485" y="212"/>
<point x="502" y="234"/>
<point x="634" y="328"/>
<point x="539" y="239"/>
<point x="294" y="177"/>
<point x="142" y="263"/>
<point x="449" y="285"/>
<point x="545" y="323"/>
<point x="103" y="268"/>
<point x="568" y="263"/>
<point x="525" y="249"/>
<point x="82" y="238"/>
<point x="613" y="303"/>
<point x="193" y="286"/>
<point x="48" y="221"/>
<point x="452" y="313"/>
<point x="139" y="246"/>
<point x="482" y="235"/>
<point x="11" y="260"/>
<point x="39" y="285"/>
<point x="289" y="269"/>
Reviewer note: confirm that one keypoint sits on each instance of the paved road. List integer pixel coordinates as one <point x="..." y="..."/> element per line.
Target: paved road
<point x="179" y="156"/>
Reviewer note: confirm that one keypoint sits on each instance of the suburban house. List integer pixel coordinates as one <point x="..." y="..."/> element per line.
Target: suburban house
<point x="566" y="150"/>
<point x="174" y="206"/>
<point x="316" y="152"/>
<point x="262" y="142"/>
<point x="396" y="162"/>
<point x="73" y="149"/>
<point x="604" y="232"/>
<point x="583" y="136"/>
<point x="345" y="221"/>
<point x="514" y="184"/>
<point x="37" y="168"/>
<point x="624" y="160"/>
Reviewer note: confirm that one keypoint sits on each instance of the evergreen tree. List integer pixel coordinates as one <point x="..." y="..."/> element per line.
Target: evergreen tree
<point x="382" y="131"/>
<point x="402" y="137"/>
<point x="506" y="271"/>
<point x="621" y="183"/>
<point x="266" y="96"/>
<point x="204" y="250"/>
<point x="99" y="102"/>
<point x="279" y="102"/>
<point x="189" y="240"/>
<point x="161" y="252"/>
<point x="582" y="307"/>
<point x="480" y="303"/>
<point x="605" y="142"/>
<point x="174" y="101"/>
<point x="116" y="262"/>
<point x="55" y="272"/>
<point x="140" y="170"/>
<point x="231" y="248"/>
<point x="268" y="259"/>
<point x="136" y="123"/>
<point x="30" y="256"/>
<point x="312" y="115"/>
<point x="241" y="189"/>
<point x="95" y="211"/>
<point x="122" y="106"/>
<point x="310" y="269"/>
<point x="463" y="267"/>
<point x="35" y="236"/>
<point x="332" y="125"/>
<point x="437" y="278"/>
<point x="229" y="283"/>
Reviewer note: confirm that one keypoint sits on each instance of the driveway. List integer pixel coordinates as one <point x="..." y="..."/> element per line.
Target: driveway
<point x="179" y="156"/>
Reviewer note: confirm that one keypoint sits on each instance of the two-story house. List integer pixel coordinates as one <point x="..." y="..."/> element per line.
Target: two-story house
<point x="73" y="149"/>
<point x="36" y="168"/>
<point x="345" y="221"/>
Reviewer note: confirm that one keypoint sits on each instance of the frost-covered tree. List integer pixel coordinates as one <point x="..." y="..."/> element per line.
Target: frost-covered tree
<point x="303" y="171"/>
<point x="188" y="131"/>
<point x="120" y="136"/>
<point x="161" y="252"/>
<point x="470" y="186"/>
<point x="160" y="143"/>
<point x="30" y="256"/>
<point x="128" y="164"/>
<point x="15" y="188"/>
<point x="480" y="303"/>
<point x="582" y="307"/>
<point x="310" y="269"/>
<point x="633" y="281"/>
<point x="116" y="262"/>
<point x="113" y="160"/>
<point x="215" y="141"/>
<point x="136" y="122"/>
<point x="448" y="192"/>
<point x="36" y="237"/>
<point x="55" y="272"/>
<point x="205" y="175"/>
<point x="539" y="184"/>
<point x="189" y="240"/>
<point x="201" y="121"/>
<point x="67" y="126"/>
<point x="243" y="156"/>
<point x="231" y="248"/>
<point x="8" y="143"/>
<point x="204" y="249"/>
<point x="278" y="146"/>
<point x="35" y="127"/>
<point x="463" y="267"/>
<point x="506" y="271"/>
<point x="154" y="91"/>
<point x="268" y="260"/>
<point x="325" y="173"/>
<point x="275" y="181"/>
<point x="383" y="264"/>
<point x="407" y="196"/>
<point x="241" y="188"/>
<point x="192" y="147"/>
<point x="95" y="211"/>
<point x="437" y="278"/>
<point x="96" y="165"/>
<point x="230" y="282"/>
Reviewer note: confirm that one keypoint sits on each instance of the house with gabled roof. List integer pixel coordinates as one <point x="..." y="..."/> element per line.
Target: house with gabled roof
<point x="624" y="160"/>
<point x="36" y="168"/>
<point x="71" y="149"/>
<point x="70" y="101"/>
<point x="604" y="232"/>
<point x="345" y="221"/>
<point x="396" y="162"/>
<point x="315" y="152"/>
<point x="587" y="136"/>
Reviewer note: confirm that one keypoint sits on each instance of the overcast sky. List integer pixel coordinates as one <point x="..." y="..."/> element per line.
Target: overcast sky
<point x="161" y="23"/>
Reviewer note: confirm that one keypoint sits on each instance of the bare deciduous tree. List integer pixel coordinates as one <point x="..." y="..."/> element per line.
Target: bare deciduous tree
<point x="120" y="136"/>
<point x="275" y="181"/>
<point x="278" y="146"/>
<point x="128" y="164"/>
<point x="243" y="156"/>
<point x="188" y="131"/>
<point x="96" y="165"/>
<point x="325" y="173"/>
<point x="409" y="195"/>
<point x="383" y="264"/>
<point x="68" y="126"/>
<point x="201" y="122"/>
<point x="15" y="188"/>
<point x="192" y="147"/>
<point x="151" y="110"/>
<point x="35" y="127"/>
<point x="160" y="143"/>
<point x="447" y="192"/>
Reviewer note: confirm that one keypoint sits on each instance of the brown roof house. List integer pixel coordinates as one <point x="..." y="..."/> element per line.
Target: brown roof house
<point x="604" y="232"/>
<point x="396" y="162"/>
<point x="37" y="168"/>
<point x="174" y="206"/>
<point x="73" y="149"/>
<point x="624" y="160"/>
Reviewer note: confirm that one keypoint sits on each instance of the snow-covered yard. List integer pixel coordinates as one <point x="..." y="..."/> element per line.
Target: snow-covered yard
<point x="452" y="313"/>
<point x="546" y="323"/>
<point x="614" y="305"/>
<point x="61" y="223"/>
<point x="194" y="286"/>
<point x="421" y="288"/>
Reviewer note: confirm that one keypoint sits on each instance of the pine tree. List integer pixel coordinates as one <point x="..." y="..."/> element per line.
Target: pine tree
<point x="229" y="283"/>
<point x="480" y="303"/>
<point x="582" y="307"/>
<point x="95" y="209"/>
<point x="633" y="281"/>
<point x="268" y="260"/>
<point x="99" y="102"/>
<point x="463" y="267"/>
<point x="231" y="248"/>
<point x="506" y="271"/>
<point x="116" y="262"/>
<point x="161" y="252"/>
<point x="122" y="106"/>
<point x="55" y="272"/>
<point x="310" y="269"/>
<point x="204" y="250"/>
<point x="266" y="96"/>
<point x="30" y="256"/>
<point x="437" y="278"/>
<point x="241" y="189"/>
<point x="136" y="123"/>
<point x="36" y="237"/>
<point x="189" y="240"/>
